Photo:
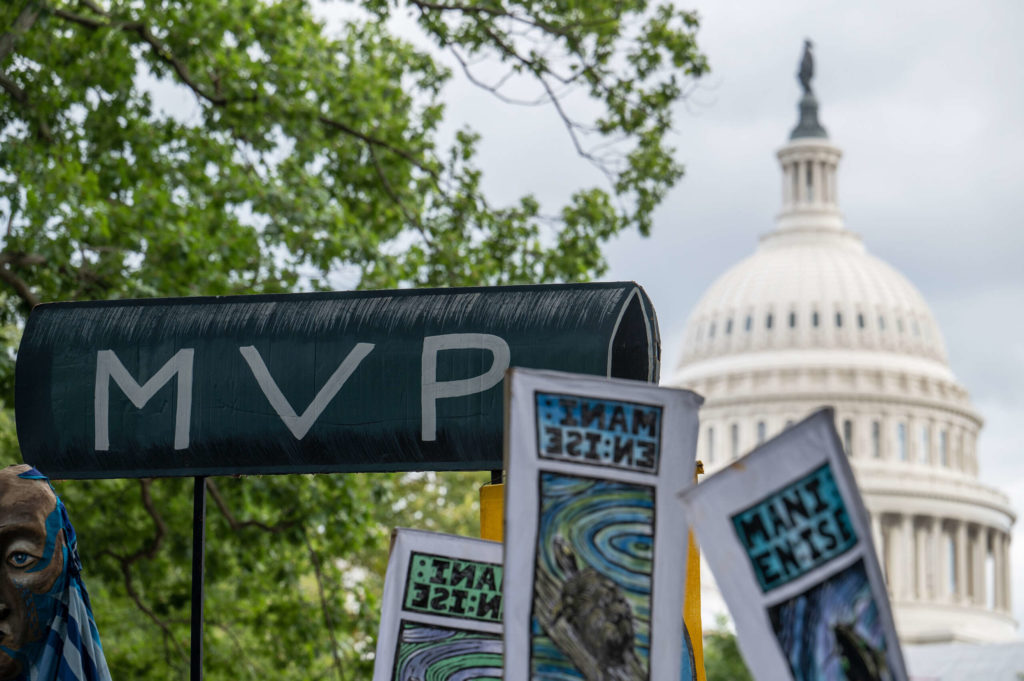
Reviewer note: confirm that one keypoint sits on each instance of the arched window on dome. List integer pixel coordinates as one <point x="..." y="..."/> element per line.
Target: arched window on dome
<point x="761" y="432"/>
<point x="748" y="323"/>
<point x="711" y="445"/>
<point x="990" y="578"/>
<point x="768" y="321"/>
<point x="860" y="320"/>
<point x="924" y="443"/>
<point x="728" y="326"/>
<point x="734" y="440"/>
<point x="951" y="574"/>
<point x="839" y="320"/>
<point x="886" y="550"/>
<point x="848" y="437"/>
<point x="943" y="448"/>
<point x="901" y="441"/>
<point x="876" y="440"/>
<point x="792" y="320"/>
<point x="815" y="320"/>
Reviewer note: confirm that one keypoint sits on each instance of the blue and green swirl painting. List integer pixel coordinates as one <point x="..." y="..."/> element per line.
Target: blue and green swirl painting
<point x="431" y="653"/>
<point x="610" y="528"/>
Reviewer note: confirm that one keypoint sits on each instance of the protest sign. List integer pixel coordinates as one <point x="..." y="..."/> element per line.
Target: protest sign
<point x="596" y="546"/>
<point x="788" y="539"/>
<point x="402" y="380"/>
<point x="441" y="610"/>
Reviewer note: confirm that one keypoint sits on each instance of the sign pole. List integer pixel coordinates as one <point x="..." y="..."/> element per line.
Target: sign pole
<point x="198" y="574"/>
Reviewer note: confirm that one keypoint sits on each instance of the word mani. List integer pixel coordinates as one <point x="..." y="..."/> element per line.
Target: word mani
<point x="800" y="527"/>
<point x="451" y="587"/>
<point x="599" y="431"/>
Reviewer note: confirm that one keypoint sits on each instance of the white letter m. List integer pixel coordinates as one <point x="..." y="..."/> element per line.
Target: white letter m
<point x="108" y="366"/>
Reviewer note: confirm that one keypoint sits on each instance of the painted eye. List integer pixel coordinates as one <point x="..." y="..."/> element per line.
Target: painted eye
<point x="20" y="559"/>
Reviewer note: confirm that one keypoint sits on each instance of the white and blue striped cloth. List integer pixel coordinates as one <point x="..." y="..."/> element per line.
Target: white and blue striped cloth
<point x="71" y="649"/>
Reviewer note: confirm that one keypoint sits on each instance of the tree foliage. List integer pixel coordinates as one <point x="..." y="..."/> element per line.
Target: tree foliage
<point x="722" y="658"/>
<point x="300" y="157"/>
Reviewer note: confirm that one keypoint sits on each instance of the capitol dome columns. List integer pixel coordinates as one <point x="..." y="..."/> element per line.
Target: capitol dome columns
<point x="809" y="176"/>
<point x="914" y="550"/>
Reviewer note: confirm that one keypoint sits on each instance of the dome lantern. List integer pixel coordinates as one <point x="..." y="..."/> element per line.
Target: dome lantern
<point x="810" y="198"/>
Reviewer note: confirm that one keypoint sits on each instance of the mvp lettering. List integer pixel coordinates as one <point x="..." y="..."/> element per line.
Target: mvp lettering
<point x="179" y="367"/>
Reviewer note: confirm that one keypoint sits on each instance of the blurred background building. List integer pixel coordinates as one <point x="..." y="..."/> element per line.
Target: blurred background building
<point x="812" y="319"/>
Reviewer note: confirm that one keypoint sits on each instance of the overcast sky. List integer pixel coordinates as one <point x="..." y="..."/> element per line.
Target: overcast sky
<point x="924" y="97"/>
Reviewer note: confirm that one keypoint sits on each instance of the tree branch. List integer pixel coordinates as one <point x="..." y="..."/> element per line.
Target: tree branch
<point x="216" y="98"/>
<point x="375" y="142"/>
<point x="26" y="18"/>
<point x="21" y="97"/>
<point x="390" y="191"/>
<point x="314" y="558"/>
<point x="234" y="523"/>
<point x="19" y="285"/>
<point x="494" y="88"/>
<point x="498" y="12"/>
<point x="149" y="552"/>
<point x="164" y="627"/>
<point x="13" y="89"/>
<point x="160" y="49"/>
<point x="160" y="527"/>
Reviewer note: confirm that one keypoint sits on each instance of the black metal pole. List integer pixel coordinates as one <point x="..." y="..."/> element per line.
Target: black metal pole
<point x="198" y="574"/>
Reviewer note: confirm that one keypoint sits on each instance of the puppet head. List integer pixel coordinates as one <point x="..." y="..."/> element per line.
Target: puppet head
<point x="32" y="558"/>
<point x="47" y="631"/>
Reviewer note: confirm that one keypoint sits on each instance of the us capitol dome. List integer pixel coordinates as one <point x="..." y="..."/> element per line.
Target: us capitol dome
<point x="812" y="318"/>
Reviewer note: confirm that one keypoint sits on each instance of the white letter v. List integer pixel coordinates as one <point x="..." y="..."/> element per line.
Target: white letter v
<point x="300" y="425"/>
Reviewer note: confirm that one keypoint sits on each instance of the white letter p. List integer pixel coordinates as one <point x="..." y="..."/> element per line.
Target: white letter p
<point x="433" y="390"/>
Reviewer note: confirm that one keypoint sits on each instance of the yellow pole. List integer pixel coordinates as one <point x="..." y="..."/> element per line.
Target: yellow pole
<point x="492" y="511"/>
<point x="691" y="601"/>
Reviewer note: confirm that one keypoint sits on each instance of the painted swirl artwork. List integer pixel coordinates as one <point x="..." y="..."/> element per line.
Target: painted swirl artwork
<point x="833" y="632"/>
<point x="592" y="465"/>
<point x="432" y="653"/>
<point x="593" y="580"/>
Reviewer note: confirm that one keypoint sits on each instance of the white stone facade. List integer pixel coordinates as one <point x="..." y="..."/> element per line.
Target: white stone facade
<point x="812" y="319"/>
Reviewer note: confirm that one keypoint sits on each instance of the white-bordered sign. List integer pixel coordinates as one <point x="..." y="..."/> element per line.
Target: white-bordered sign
<point x="441" y="609"/>
<point x="595" y="543"/>
<point x="786" y="534"/>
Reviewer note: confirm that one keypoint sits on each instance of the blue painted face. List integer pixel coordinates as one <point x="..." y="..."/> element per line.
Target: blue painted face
<point x="33" y="561"/>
